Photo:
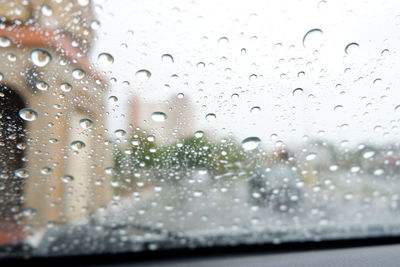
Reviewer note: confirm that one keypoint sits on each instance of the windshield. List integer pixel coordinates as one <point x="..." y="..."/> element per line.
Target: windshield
<point x="129" y="126"/>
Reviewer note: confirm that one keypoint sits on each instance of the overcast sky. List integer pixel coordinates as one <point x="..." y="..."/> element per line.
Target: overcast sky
<point x="363" y="83"/>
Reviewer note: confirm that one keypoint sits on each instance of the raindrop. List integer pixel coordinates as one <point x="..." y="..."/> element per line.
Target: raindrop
<point x="310" y="38"/>
<point x="200" y="65"/>
<point x="77" y="145"/>
<point x="143" y="75"/>
<point x="158" y="116"/>
<point x="45" y="170"/>
<point x="78" y="73"/>
<point x="251" y="143"/>
<point x="113" y="99"/>
<point x="86" y="123"/>
<point x="338" y="108"/>
<point x="368" y="154"/>
<point x="67" y="178"/>
<point x="46" y="11"/>
<point x="311" y="156"/>
<point x="180" y="95"/>
<point x="211" y="117"/>
<point x="223" y="41"/>
<point x="120" y="133"/>
<point x="21" y="173"/>
<point x="40" y="57"/>
<point x="384" y="52"/>
<point x="41" y="85"/>
<point x="397" y="108"/>
<point x="29" y="212"/>
<point x="65" y="87"/>
<point x="4" y="41"/>
<point x="28" y="114"/>
<point x="350" y="48"/>
<point x="105" y="59"/>
<point x="297" y="92"/>
<point x="255" y="110"/>
<point x="199" y="134"/>
<point x="235" y="97"/>
<point x="253" y="77"/>
<point x="167" y="59"/>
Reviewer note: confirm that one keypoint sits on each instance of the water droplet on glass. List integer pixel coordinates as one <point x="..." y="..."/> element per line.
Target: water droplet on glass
<point x="28" y="114"/>
<point x="199" y="134"/>
<point x="384" y="52"/>
<point x="45" y="170"/>
<point x="67" y="178"/>
<point x="311" y="156"/>
<point x="180" y="95"/>
<point x="235" y="97"/>
<point x="255" y="110"/>
<point x="41" y="85"/>
<point x="86" y="123"/>
<point x="350" y="48"/>
<point x="167" y="59"/>
<point x="40" y="57"/>
<point x="113" y="99"/>
<point x="338" y="108"/>
<point x="397" y="108"/>
<point x="297" y="92"/>
<point x="21" y="173"/>
<point x="120" y="133"/>
<point x="105" y="59"/>
<point x="368" y="154"/>
<point x="251" y="143"/>
<point x="200" y="65"/>
<point x="311" y="38"/>
<point x="4" y="41"/>
<point x="143" y="75"/>
<point x="65" y="87"/>
<point x="78" y="73"/>
<point x="253" y="77"/>
<point x="158" y="116"/>
<point x="211" y="117"/>
<point x="46" y="11"/>
<point x="77" y="145"/>
<point x="223" y="41"/>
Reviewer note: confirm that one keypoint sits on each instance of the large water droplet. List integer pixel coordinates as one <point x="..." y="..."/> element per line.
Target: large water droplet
<point x="158" y="116"/>
<point x="167" y="59"/>
<point x="143" y="75"/>
<point x="311" y="156"/>
<point x="21" y="173"/>
<point x="105" y="59"/>
<point x="113" y="99"/>
<point x="251" y="143"/>
<point x="41" y="85"/>
<point x="223" y="41"/>
<point x="67" y="178"/>
<point x="77" y="145"/>
<point x="211" y="117"/>
<point x="40" y="57"/>
<point x="86" y="123"/>
<point x="78" y="74"/>
<point x="4" y="41"/>
<point x="297" y="92"/>
<point x="199" y="134"/>
<point x="28" y="114"/>
<point x="368" y="154"/>
<point x="312" y="38"/>
<point x="65" y="87"/>
<point x="120" y="133"/>
<point x="255" y="110"/>
<point x="350" y="48"/>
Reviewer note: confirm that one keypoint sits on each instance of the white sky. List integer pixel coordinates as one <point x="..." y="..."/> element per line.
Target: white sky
<point x="272" y="34"/>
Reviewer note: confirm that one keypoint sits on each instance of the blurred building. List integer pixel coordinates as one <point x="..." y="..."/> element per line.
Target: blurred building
<point x="50" y="97"/>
